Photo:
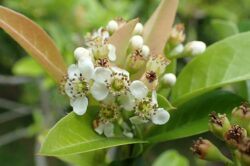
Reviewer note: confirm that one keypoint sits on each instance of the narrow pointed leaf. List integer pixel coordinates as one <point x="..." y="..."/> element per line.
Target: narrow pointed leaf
<point x="158" y="27"/>
<point x="74" y="135"/>
<point x="120" y="39"/>
<point x="34" y="40"/>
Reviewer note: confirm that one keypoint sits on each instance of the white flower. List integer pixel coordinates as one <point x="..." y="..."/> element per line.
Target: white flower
<point x="136" y="42"/>
<point x="112" y="26"/>
<point x="195" y="47"/>
<point x="111" y="54"/>
<point x="147" y="109"/>
<point x="77" y="85"/>
<point x="138" y="29"/>
<point x="105" y="128"/>
<point x="169" y="79"/>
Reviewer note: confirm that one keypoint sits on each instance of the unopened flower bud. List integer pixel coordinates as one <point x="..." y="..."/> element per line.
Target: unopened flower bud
<point x="169" y="79"/>
<point x="81" y="52"/>
<point x="208" y="151"/>
<point x="235" y="136"/>
<point x="241" y="116"/>
<point x="112" y="26"/>
<point x="136" y="42"/>
<point x="219" y="124"/>
<point x="177" y="50"/>
<point x="195" y="47"/>
<point x="138" y="29"/>
<point x="145" y="51"/>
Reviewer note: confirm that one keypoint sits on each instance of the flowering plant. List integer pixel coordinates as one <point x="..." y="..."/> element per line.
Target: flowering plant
<point x="123" y="88"/>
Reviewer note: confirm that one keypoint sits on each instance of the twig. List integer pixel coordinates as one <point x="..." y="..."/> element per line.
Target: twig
<point x="14" y="80"/>
<point x="13" y="136"/>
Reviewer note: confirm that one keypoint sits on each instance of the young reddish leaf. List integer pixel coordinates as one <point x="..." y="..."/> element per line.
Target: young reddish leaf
<point x="120" y="39"/>
<point x="158" y="27"/>
<point x="34" y="40"/>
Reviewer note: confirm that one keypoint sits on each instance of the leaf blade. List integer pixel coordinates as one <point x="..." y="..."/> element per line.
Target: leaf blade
<point x="158" y="27"/>
<point x="223" y="63"/>
<point x="80" y="137"/>
<point x="34" y="40"/>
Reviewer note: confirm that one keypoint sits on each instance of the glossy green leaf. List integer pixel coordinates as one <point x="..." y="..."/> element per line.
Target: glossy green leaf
<point x="74" y="134"/>
<point x="223" y="63"/>
<point x="192" y="117"/>
<point x="85" y="159"/>
<point x="164" y="103"/>
<point x="171" y="158"/>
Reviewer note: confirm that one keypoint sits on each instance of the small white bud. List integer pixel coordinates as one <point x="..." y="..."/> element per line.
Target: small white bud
<point x="136" y="42"/>
<point x="177" y="50"/>
<point x="195" y="47"/>
<point x="169" y="79"/>
<point x="81" y="52"/>
<point x="138" y="29"/>
<point x="112" y="26"/>
<point x="145" y="51"/>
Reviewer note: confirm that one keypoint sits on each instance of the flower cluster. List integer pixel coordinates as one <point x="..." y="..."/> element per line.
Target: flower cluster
<point x="126" y="92"/>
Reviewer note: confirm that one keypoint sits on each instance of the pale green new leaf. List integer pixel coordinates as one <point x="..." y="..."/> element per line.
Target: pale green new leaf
<point x="74" y="134"/>
<point x="223" y="63"/>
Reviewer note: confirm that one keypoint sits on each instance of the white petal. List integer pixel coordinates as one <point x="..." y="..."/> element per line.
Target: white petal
<point x="73" y="71"/>
<point x="99" y="91"/>
<point x="67" y="89"/>
<point x="137" y="120"/>
<point x="138" y="29"/>
<point x="154" y="97"/>
<point x="79" y="105"/>
<point x="109" y="130"/>
<point x="102" y="74"/>
<point x="110" y="99"/>
<point x="138" y="89"/>
<point x="119" y="70"/>
<point x="127" y="102"/>
<point x="196" y="47"/>
<point x="87" y="68"/>
<point x="128" y="134"/>
<point x="177" y="50"/>
<point x="100" y="128"/>
<point x="112" y="54"/>
<point x="145" y="51"/>
<point x="160" y="117"/>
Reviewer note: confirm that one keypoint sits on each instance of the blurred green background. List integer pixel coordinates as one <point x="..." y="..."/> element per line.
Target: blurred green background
<point x="29" y="100"/>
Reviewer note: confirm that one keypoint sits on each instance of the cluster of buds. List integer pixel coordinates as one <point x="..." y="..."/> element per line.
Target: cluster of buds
<point x="235" y="134"/>
<point x="126" y="91"/>
<point x="176" y="45"/>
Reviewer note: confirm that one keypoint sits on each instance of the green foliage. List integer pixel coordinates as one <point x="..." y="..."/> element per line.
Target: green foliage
<point x="223" y="63"/>
<point x="73" y="134"/>
<point x="171" y="158"/>
<point x="191" y="118"/>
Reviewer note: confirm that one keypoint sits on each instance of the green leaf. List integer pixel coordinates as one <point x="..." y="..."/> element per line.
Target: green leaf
<point x="171" y="158"/>
<point x="24" y="66"/>
<point x="164" y="103"/>
<point x="74" y="134"/>
<point x="192" y="117"/>
<point x="85" y="159"/>
<point x="223" y="63"/>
